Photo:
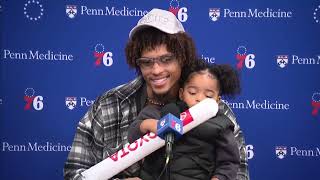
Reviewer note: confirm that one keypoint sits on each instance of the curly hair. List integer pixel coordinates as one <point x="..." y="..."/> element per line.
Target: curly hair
<point x="228" y="78"/>
<point x="148" y="38"/>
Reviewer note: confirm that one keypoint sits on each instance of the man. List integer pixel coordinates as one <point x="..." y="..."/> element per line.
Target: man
<point x="159" y="50"/>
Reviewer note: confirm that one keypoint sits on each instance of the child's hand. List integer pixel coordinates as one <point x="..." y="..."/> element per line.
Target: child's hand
<point x="214" y="178"/>
<point x="149" y="125"/>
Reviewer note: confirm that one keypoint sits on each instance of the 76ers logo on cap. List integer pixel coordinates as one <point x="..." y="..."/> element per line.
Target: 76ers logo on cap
<point x="281" y="151"/>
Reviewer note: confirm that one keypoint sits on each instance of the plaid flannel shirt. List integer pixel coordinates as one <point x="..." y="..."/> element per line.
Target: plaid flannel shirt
<point x="104" y="128"/>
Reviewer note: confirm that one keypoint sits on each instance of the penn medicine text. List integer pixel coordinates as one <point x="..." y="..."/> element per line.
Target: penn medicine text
<point x="37" y="55"/>
<point x="305" y="60"/>
<point x="47" y="147"/>
<point x="265" y="105"/>
<point x="255" y="13"/>
<point x="112" y="11"/>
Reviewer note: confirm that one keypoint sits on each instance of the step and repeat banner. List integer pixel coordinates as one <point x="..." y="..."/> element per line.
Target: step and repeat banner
<point x="58" y="56"/>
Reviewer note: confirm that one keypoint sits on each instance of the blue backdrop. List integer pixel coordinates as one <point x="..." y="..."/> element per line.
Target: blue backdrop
<point x="55" y="53"/>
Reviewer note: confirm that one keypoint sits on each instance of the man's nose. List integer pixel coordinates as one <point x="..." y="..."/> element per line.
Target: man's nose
<point x="156" y="68"/>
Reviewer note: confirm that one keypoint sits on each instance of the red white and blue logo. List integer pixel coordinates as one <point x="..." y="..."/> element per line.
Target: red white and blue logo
<point x="174" y="6"/>
<point x="315" y="103"/>
<point x="244" y="58"/>
<point x="33" y="101"/>
<point x="178" y="11"/>
<point x="102" y="57"/>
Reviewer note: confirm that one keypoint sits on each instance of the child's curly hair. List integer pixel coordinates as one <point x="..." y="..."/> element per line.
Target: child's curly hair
<point x="228" y="77"/>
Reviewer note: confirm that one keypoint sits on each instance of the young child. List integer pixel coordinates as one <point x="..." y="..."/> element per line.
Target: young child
<point x="208" y="151"/>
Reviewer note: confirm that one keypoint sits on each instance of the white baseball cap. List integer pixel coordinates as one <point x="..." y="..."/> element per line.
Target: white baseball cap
<point x="163" y="20"/>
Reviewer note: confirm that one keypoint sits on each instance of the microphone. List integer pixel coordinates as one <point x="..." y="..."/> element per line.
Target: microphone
<point x="149" y="143"/>
<point x="169" y="126"/>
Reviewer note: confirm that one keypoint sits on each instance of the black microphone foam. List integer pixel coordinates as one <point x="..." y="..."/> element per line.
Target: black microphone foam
<point x="170" y="108"/>
<point x="182" y="106"/>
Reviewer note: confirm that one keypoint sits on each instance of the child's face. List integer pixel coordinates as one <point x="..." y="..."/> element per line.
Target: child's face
<point x="199" y="87"/>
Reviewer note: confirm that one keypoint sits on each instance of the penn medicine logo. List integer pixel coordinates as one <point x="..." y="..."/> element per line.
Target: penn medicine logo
<point x="281" y="151"/>
<point x="71" y="102"/>
<point x="293" y="151"/>
<point x="252" y="13"/>
<point x="214" y="14"/>
<point x="282" y="60"/>
<point x="71" y="11"/>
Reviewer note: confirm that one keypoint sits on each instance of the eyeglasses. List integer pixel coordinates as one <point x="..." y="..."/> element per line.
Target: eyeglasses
<point x="147" y="63"/>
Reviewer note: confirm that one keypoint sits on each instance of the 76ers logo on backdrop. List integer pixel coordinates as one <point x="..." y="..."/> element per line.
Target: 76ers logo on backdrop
<point x="244" y="58"/>
<point x="32" y="101"/>
<point x="315" y="103"/>
<point x="180" y="12"/>
<point x="101" y="56"/>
